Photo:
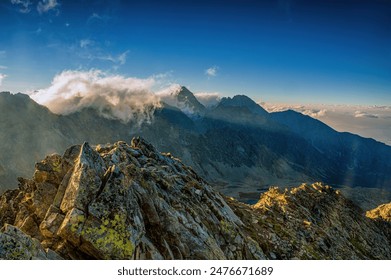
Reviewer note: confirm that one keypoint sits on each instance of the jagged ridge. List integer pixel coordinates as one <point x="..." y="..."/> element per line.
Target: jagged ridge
<point x="125" y="201"/>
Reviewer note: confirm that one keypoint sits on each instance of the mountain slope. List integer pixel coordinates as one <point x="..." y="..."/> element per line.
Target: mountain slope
<point x="28" y="131"/>
<point x="360" y="161"/>
<point x="236" y="145"/>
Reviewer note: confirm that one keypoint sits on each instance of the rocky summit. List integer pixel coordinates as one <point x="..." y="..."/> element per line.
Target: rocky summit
<point x="128" y="201"/>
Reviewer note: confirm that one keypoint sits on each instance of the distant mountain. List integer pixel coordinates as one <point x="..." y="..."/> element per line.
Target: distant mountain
<point x="190" y="103"/>
<point x="185" y="100"/>
<point x="236" y="145"/>
<point x="360" y="161"/>
<point x="27" y="132"/>
<point x="128" y="201"/>
<point x="243" y="101"/>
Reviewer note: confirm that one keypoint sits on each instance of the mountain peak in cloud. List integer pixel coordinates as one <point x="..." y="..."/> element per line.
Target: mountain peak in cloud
<point x="113" y="96"/>
<point x="182" y="98"/>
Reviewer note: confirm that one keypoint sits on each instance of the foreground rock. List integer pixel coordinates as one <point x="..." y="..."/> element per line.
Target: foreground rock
<point x="313" y="222"/>
<point x="125" y="201"/>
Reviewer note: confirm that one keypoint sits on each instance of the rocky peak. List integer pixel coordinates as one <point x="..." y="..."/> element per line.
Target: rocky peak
<point x="243" y="101"/>
<point x="184" y="99"/>
<point x="313" y="222"/>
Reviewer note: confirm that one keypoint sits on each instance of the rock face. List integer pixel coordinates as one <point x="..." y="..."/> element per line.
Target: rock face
<point x="16" y="245"/>
<point x="126" y="201"/>
<point x="383" y="212"/>
<point x="313" y="222"/>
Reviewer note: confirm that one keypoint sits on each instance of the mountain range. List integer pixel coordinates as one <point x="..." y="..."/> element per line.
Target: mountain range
<point x="235" y="145"/>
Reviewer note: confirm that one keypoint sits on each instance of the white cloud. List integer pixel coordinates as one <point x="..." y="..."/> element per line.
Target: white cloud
<point x="86" y="43"/>
<point x="3" y="67"/>
<point x="119" y="59"/>
<point x="45" y="6"/>
<point x="97" y="17"/>
<point x="168" y="94"/>
<point x="211" y="72"/>
<point x="2" y="77"/>
<point x="122" y="57"/>
<point x="208" y="99"/>
<point x="24" y="5"/>
<point x="113" y="96"/>
<point x="3" y="53"/>
<point x="315" y="113"/>
<point x="359" y="114"/>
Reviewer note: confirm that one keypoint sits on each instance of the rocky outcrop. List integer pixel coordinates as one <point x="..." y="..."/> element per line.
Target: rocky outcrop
<point x="125" y="202"/>
<point x="128" y="201"/>
<point x="383" y="212"/>
<point x="16" y="245"/>
<point x="312" y="222"/>
<point x="382" y="217"/>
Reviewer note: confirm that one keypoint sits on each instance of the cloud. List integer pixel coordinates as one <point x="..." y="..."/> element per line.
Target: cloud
<point x="24" y="5"/>
<point x="208" y="99"/>
<point x="168" y="94"/>
<point x="2" y="53"/>
<point x="2" y="77"/>
<point x="211" y="72"/>
<point x="359" y="114"/>
<point x="45" y="6"/>
<point x="315" y="113"/>
<point x="119" y="59"/>
<point x="122" y="57"/>
<point x="113" y="96"/>
<point x="97" y="17"/>
<point x="3" y="67"/>
<point x="85" y="43"/>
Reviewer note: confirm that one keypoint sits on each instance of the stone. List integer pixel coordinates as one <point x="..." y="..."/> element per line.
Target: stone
<point x="16" y="245"/>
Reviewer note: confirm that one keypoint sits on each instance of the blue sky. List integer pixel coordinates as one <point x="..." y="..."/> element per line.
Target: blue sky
<point x="335" y="52"/>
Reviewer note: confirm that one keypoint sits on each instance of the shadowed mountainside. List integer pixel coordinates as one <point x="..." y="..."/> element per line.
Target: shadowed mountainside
<point x="236" y="145"/>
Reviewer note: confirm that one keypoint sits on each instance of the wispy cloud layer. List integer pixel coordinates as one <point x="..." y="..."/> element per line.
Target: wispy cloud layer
<point x="45" y="6"/>
<point x="84" y="43"/>
<point x="97" y="17"/>
<point x="93" y="50"/>
<point x="2" y="77"/>
<point x="24" y="5"/>
<point x="208" y="99"/>
<point x="368" y="121"/>
<point x="212" y="71"/>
